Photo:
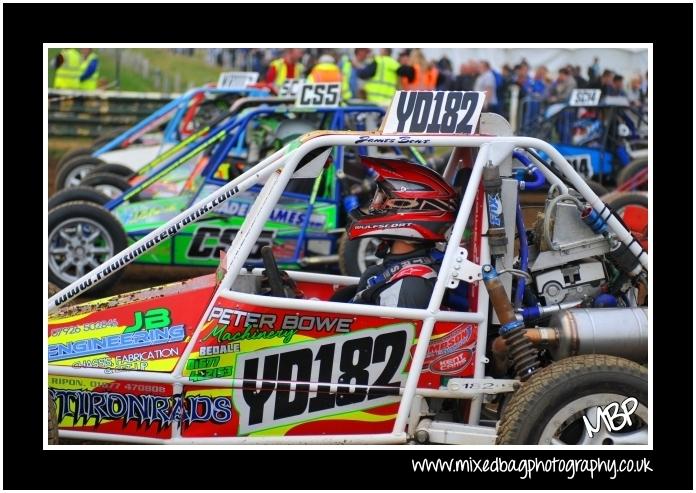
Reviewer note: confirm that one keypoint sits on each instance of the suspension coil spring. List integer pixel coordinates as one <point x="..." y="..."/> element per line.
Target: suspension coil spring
<point x="520" y="349"/>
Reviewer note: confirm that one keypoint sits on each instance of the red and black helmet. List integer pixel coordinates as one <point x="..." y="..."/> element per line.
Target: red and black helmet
<point x="412" y="202"/>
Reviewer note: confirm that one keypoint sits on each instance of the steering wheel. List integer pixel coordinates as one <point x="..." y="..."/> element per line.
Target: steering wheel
<point x="279" y="288"/>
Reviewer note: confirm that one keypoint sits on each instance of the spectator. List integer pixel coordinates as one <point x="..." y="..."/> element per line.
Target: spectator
<point x="635" y="91"/>
<point x="563" y="86"/>
<point x="485" y="82"/>
<point x="644" y="87"/>
<point x="444" y="66"/>
<point x="258" y="61"/>
<point x="90" y="70"/>
<point x="539" y="84"/>
<point x="287" y="67"/>
<point x="325" y="71"/>
<point x="358" y="62"/>
<point x="523" y="80"/>
<point x="580" y="81"/>
<point x="466" y="78"/>
<point x="536" y="93"/>
<point x="420" y="75"/>
<point x="404" y="57"/>
<point x="616" y="88"/>
<point x="593" y="70"/>
<point x="508" y="72"/>
<point x="604" y="82"/>
<point x="68" y="70"/>
<point x="382" y="77"/>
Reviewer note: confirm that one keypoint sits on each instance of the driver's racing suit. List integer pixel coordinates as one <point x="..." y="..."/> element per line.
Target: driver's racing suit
<point x="405" y="280"/>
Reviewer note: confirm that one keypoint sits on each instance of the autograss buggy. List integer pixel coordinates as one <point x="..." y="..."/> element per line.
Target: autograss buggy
<point x="604" y="140"/>
<point x="124" y="150"/>
<point x="114" y="179"/>
<point x="85" y="228"/>
<point x="264" y="357"/>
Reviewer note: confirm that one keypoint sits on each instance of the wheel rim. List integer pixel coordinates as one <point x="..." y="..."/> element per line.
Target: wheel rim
<point x="367" y="250"/>
<point x="77" y="246"/>
<point x="567" y="426"/>
<point x="76" y="175"/>
<point x="109" y="190"/>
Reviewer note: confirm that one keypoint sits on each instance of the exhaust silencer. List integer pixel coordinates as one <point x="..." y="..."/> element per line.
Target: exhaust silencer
<point x="619" y="332"/>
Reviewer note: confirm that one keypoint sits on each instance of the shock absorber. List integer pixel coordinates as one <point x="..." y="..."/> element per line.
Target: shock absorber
<point x="520" y="348"/>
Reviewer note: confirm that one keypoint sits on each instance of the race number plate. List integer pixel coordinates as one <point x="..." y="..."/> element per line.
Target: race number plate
<point x="434" y="112"/>
<point x="320" y="95"/>
<point x="234" y="80"/>
<point x="290" y="87"/>
<point x="585" y="97"/>
<point x="582" y="163"/>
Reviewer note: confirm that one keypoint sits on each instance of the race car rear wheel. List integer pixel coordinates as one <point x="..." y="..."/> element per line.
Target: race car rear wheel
<point x="72" y="172"/>
<point x="549" y="408"/>
<point x="620" y="203"/>
<point x="52" y="422"/>
<point x="81" y="236"/>
<point x="84" y="194"/>
<point x="355" y="256"/>
<point x="107" y="183"/>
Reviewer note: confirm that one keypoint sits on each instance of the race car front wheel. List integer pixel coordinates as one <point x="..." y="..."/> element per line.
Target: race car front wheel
<point x="81" y="236"/>
<point x="107" y="183"/>
<point x="84" y="194"/>
<point x="73" y="153"/>
<point x="72" y="172"/>
<point x="584" y="400"/>
<point x="355" y="256"/>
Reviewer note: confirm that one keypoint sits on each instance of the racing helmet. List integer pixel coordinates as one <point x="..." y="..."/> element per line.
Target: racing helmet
<point x="411" y="202"/>
<point x="586" y="131"/>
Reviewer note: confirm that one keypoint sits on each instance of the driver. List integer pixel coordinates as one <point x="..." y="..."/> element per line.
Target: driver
<point x="413" y="208"/>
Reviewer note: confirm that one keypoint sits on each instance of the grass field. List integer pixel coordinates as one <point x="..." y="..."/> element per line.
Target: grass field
<point x="192" y="70"/>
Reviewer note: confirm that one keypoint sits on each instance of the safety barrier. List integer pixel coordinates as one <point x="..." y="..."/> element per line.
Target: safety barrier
<point x="91" y="113"/>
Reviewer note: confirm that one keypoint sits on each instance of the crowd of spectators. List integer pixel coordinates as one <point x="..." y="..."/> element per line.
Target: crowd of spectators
<point x="535" y="83"/>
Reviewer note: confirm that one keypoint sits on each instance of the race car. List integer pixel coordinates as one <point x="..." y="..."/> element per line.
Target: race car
<point x="305" y="229"/>
<point x="262" y="356"/>
<point x="124" y="150"/>
<point x="605" y="140"/>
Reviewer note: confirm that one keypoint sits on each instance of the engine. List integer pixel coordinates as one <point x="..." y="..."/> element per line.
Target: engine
<point x="574" y="261"/>
<point x="586" y="293"/>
